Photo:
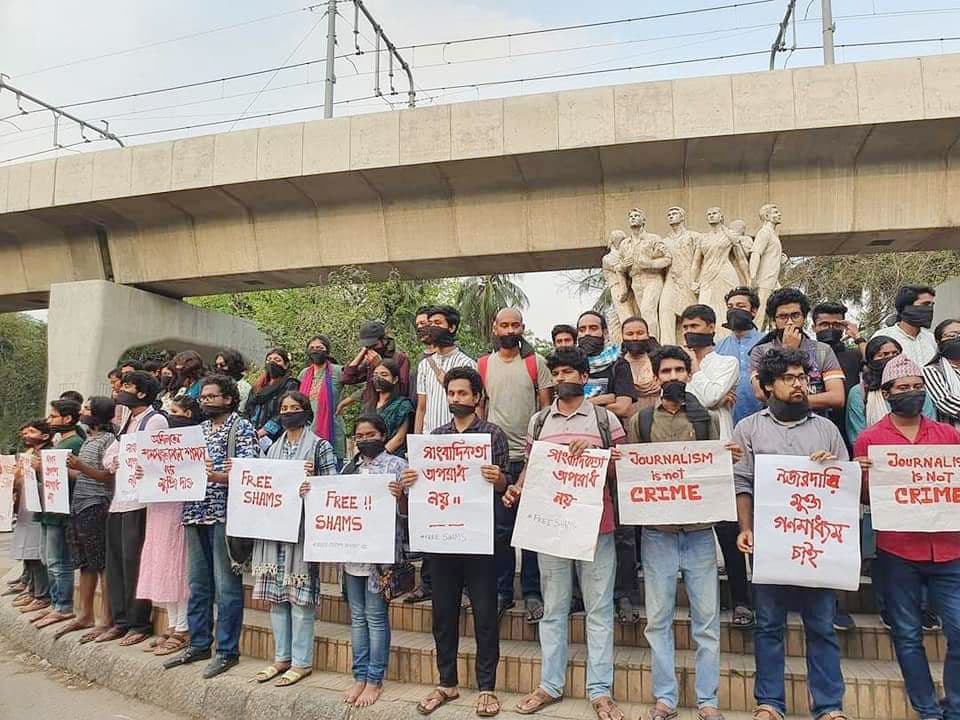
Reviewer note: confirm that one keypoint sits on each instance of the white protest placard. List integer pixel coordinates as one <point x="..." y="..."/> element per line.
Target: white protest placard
<point x="450" y="505"/>
<point x="350" y="518"/>
<point x="915" y="488"/>
<point x="125" y="482"/>
<point x="806" y="522"/>
<point x="174" y="465"/>
<point x="8" y="467"/>
<point x="56" y="488"/>
<point x="675" y="483"/>
<point x="263" y="500"/>
<point x="30" y="487"/>
<point x="562" y="502"/>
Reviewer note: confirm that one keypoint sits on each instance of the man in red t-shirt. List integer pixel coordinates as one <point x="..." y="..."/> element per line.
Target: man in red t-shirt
<point x="908" y="561"/>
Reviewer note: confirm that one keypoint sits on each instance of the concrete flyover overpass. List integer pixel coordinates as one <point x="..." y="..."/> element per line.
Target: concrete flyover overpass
<point x="860" y="157"/>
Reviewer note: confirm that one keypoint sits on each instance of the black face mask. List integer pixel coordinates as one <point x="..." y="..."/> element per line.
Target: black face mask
<point x="318" y="356"/>
<point x="738" y="320"/>
<point x="675" y="391"/>
<point x="907" y="404"/>
<point x="508" y="342"/>
<point x="441" y="337"/>
<point x="423" y="334"/>
<point x="165" y="381"/>
<point x="950" y="349"/>
<point x="275" y="371"/>
<point x="568" y="390"/>
<point x="371" y="448"/>
<point x="591" y="345"/>
<point x="214" y="411"/>
<point x="920" y="316"/>
<point x="87" y="420"/>
<point x="878" y="364"/>
<point x="129" y="400"/>
<point x="788" y="411"/>
<point x="382" y="384"/>
<point x="293" y="419"/>
<point x="636" y="347"/>
<point x="698" y="340"/>
<point x="35" y="441"/>
<point x="64" y="428"/>
<point x="830" y="337"/>
<point x="179" y="421"/>
<point x="460" y="410"/>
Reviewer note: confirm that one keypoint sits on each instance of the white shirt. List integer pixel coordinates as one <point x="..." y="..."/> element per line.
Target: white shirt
<point x="438" y="410"/>
<point x="717" y="376"/>
<point x="921" y="349"/>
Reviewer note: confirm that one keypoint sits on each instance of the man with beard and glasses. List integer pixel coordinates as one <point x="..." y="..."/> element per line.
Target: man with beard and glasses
<point x="213" y="568"/>
<point x="518" y="384"/>
<point x="574" y="421"/>
<point x="452" y="573"/>
<point x="685" y="549"/>
<point x="376" y="345"/>
<point x="911" y="563"/>
<point x="611" y="381"/>
<point x="788" y="427"/>
<point x="743" y="303"/>
<point x="914" y="305"/>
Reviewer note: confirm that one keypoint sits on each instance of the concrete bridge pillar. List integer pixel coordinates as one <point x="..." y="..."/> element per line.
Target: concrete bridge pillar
<point x="93" y="322"/>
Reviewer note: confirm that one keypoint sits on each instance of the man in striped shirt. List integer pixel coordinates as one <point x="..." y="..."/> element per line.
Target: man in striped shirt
<point x="432" y="409"/>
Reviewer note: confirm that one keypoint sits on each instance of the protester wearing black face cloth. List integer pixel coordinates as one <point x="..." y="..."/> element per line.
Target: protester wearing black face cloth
<point x="914" y="304"/>
<point x="942" y="375"/>
<point x="376" y="345"/>
<point x="263" y="405"/>
<point x="831" y="327"/>
<point x="611" y="381"/>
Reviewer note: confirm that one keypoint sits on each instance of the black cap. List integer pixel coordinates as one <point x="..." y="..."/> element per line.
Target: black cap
<point x="371" y="333"/>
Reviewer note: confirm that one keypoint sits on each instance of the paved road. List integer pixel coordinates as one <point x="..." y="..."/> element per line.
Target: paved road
<point x="31" y="689"/>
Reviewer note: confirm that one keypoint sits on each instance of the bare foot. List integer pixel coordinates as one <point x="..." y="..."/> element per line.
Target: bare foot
<point x="355" y="691"/>
<point x="41" y="615"/>
<point x="370" y="694"/>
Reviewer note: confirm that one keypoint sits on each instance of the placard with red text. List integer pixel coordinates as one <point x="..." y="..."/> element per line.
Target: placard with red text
<point x="562" y="501"/>
<point x="350" y="519"/>
<point x="8" y="464"/>
<point x="56" y="488"/>
<point x="450" y="505"/>
<point x="174" y="465"/>
<point x="31" y="486"/>
<point x="806" y="522"/>
<point x="675" y="483"/>
<point x="263" y="500"/>
<point x="125" y="482"/>
<point x="915" y="488"/>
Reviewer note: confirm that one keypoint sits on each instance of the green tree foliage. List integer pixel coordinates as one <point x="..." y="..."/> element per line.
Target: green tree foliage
<point x="23" y="374"/>
<point x="480" y="298"/>
<point x="867" y="284"/>
<point x="590" y="283"/>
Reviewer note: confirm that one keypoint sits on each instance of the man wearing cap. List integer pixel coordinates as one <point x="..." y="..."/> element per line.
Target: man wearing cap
<point x="375" y="346"/>
<point x="908" y="561"/>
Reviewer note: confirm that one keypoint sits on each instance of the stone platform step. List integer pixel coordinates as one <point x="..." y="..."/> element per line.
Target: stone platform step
<point x="869" y="640"/>
<point x="874" y="689"/>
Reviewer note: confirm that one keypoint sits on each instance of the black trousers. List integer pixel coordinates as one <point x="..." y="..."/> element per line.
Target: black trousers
<point x="478" y="573"/>
<point x="125" y="533"/>
<point x="38" y="582"/>
<point x="735" y="563"/>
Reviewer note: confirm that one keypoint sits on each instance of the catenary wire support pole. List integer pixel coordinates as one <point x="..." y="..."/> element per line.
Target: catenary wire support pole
<point x="58" y="113"/>
<point x="393" y="53"/>
<point x="828" y="27"/>
<point x="331" y="79"/>
<point x="779" y="44"/>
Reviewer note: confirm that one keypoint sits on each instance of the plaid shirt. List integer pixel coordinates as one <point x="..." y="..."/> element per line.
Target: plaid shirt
<point x="500" y="450"/>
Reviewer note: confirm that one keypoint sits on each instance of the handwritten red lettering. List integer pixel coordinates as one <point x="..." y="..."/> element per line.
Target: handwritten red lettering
<point x="806" y="554"/>
<point x="563" y="457"/>
<point x="815" y="528"/>
<point x="666" y="493"/>
<point x="805" y="503"/>
<point x="563" y="499"/>
<point x="828" y="478"/>
<point x="689" y="458"/>
<point x="339" y="523"/>
<point x="931" y="495"/>
<point x="457" y="450"/>
<point x="576" y="479"/>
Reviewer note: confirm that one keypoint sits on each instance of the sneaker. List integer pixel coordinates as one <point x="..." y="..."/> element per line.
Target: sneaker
<point x="843" y="622"/>
<point x="931" y="621"/>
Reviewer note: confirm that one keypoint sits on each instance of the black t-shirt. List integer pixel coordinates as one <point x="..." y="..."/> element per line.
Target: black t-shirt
<point x="851" y="361"/>
<point x="616" y="378"/>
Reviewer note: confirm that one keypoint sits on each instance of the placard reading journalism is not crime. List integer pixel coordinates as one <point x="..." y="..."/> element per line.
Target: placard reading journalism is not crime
<point x="915" y="488"/>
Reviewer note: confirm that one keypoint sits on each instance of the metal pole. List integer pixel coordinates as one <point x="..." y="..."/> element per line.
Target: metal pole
<point x="331" y="58"/>
<point x="781" y="32"/>
<point x="827" y="13"/>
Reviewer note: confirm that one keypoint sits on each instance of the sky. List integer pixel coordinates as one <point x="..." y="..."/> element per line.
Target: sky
<point x="74" y="52"/>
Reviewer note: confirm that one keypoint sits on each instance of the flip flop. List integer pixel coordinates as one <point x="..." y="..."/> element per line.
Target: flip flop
<point x="440" y="697"/>
<point x="95" y="632"/>
<point x="109" y="635"/>
<point x="133" y="639"/>
<point x="292" y="677"/>
<point x="534" y="608"/>
<point x="487" y="705"/>
<point x="542" y="698"/>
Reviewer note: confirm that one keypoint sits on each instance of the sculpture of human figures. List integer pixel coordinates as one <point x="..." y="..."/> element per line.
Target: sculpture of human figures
<point x="680" y="287"/>
<point x="650" y="258"/>
<point x="739" y="230"/>
<point x="766" y="255"/>
<point x="717" y="265"/>
<point x="615" y="267"/>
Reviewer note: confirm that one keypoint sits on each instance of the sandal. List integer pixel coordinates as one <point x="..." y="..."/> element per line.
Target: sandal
<point x="95" y="632"/>
<point x="133" y="639"/>
<point x="833" y="715"/>
<point x="172" y="643"/>
<point x="540" y="699"/>
<point x="267" y="674"/>
<point x="487" y="705"/>
<point x="709" y="713"/>
<point x="155" y="642"/>
<point x="626" y="612"/>
<point x="534" y="608"/>
<point x="52" y="619"/>
<point x="109" y="635"/>
<point x="606" y="709"/>
<point x="438" y="696"/>
<point x="766" y="712"/>
<point x="660" y="712"/>
<point x="417" y="596"/>
<point x="743" y="617"/>
<point x="72" y="627"/>
<point x="292" y="677"/>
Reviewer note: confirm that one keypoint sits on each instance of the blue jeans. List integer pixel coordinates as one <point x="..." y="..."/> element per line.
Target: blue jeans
<point x="210" y="578"/>
<point x="824" y="678"/>
<point x="293" y="633"/>
<point x="596" y="581"/>
<point x="903" y="581"/>
<point x="505" y="555"/>
<point x="56" y="557"/>
<point x="369" y="630"/>
<point x="694" y="555"/>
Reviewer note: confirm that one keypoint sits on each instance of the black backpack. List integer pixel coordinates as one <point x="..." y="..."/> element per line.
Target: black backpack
<point x="603" y="424"/>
